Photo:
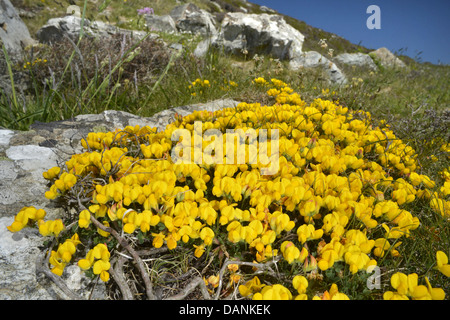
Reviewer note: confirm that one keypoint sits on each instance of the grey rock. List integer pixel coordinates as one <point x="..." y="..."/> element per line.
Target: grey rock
<point x="356" y="59"/>
<point x="33" y="159"/>
<point x="160" y="23"/>
<point x="202" y="48"/>
<point x="266" y="9"/>
<point x="176" y="46"/>
<point x="19" y="276"/>
<point x="189" y="18"/>
<point x="73" y="10"/>
<point x="5" y="136"/>
<point x="252" y="34"/>
<point x="181" y="12"/>
<point x="313" y="59"/>
<point x="386" y="58"/>
<point x="29" y="152"/>
<point x="14" y="33"/>
<point x="18" y="254"/>
<point x="56" y="28"/>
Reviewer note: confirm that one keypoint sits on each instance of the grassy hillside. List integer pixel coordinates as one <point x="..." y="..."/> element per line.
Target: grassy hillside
<point x="144" y="78"/>
<point x="123" y="14"/>
<point x="149" y="83"/>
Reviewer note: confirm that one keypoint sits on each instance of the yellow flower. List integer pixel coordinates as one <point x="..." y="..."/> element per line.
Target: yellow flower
<point x="98" y="259"/>
<point x="52" y="173"/>
<point x="275" y="292"/>
<point x="233" y="267"/>
<point x="329" y="254"/>
<point x="26" y="216"/>
<point x="51" y="227"/>
<point x="333" y="294"/>
<point x="59" y="259"/>
<point x="440" y="206"/>
<point x="199" y="250"/>
<point x="442" y="263"/>
<point x="307" y="232"/>
<point x="250" y="287"/>
<point x="300" y="283"/>
<point x="407" y="287"/>
<point x="260" y="81"/>
<point x="435" y="293"/>
<point x="207" y="235"/>
<point x="382" y="245"/>
<point x="213" y="281"/>
<point x="158" y="239"/>
<point x="57" y="265"/>
<point x="291" y="252"/>
<point x="84" y="219"/>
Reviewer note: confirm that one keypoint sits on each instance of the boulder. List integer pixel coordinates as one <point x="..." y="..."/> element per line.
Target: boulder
<point x="356" y="59"/>
<point x="189" y="18"/>
<point x="56" y="28"/>
<point x="24" y="155"/>
<point x="14" y="33"/>
<point x="386" y="58"/>
<point x="266" y="9"/>
<point x="180" y="12"/>
<point x="73" y="10"/>
<point x="202" y="48"/>
<point x="252" y="34"/>
<point x="160" y="23"/>
<point x="313" y="59"/>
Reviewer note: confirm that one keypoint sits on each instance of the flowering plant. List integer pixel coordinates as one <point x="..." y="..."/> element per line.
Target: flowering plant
<point x="343" y="198"/>
<point x="146" y="10"/>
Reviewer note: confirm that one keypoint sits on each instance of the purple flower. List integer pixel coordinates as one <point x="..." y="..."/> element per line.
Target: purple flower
<point x="146" y="10"/>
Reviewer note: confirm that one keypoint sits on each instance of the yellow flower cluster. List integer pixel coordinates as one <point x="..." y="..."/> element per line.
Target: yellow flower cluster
<point x="30" y="215"/>
<point x="260" y="81"/>
<point x="198" y="86"/>
<point x="228" y="85"/>
<point x="342" y="194"/>
<point x="407" y="287"/>
<point x="38" y="61"/>
<point x="50" y="227"/>
<point x="61" y="257"/>
<point x="64" y="183"/>
<point x="25" y="217"/>
<point x="258" y="291"/>
<point x="98" y="259"/>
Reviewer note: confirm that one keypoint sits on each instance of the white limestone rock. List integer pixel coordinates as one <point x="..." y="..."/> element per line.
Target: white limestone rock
<point x="313" y="59"/>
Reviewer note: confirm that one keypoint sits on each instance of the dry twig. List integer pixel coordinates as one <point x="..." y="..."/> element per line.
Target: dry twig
<point x="197" y="282"/>
<point x="116" y="272"/>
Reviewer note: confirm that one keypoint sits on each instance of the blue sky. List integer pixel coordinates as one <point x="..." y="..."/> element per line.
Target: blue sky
<point x="414" y="25"/>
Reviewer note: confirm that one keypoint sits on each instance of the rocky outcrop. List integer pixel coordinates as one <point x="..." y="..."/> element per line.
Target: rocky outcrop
<point x="14" y="33"/>
<point x="249" y="34"/>
<point x="189" y="18"/>
<point x="386" y="58"/>
<point x="313" y="59"/>
<point x="242" y="33"/>
<point x="24" y="156"/>
<point x="56" y="28"/>
<point x="359" y="59"/>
